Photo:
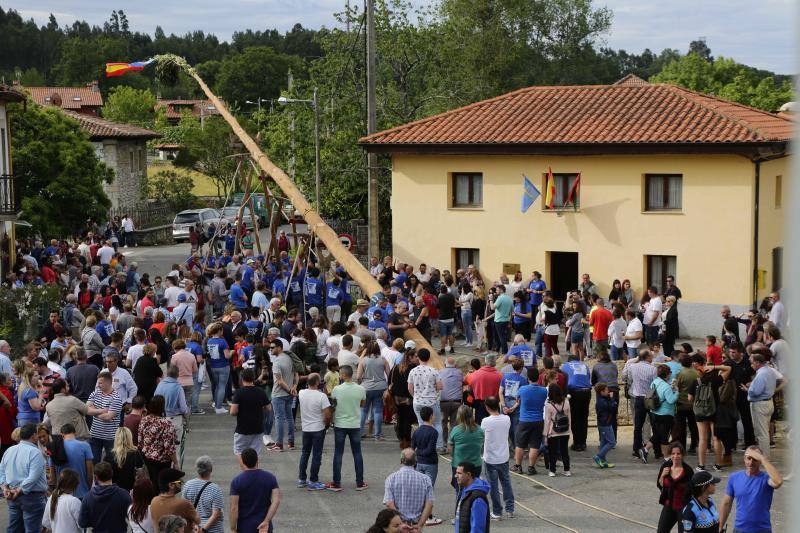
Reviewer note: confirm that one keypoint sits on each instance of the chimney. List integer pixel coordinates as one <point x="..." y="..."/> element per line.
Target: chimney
<point x="93" y="86"/>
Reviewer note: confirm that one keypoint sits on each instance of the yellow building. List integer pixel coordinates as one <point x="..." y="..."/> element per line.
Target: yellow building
<point x="672" y="182"/>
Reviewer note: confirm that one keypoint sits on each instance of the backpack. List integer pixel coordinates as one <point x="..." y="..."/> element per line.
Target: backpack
<point x="652" y="401"/>
<point x="704" y="403"/>
<point x="560" y="420"/>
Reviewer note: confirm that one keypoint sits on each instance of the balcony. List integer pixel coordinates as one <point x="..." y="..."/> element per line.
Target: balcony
<point x="10" y="204"/>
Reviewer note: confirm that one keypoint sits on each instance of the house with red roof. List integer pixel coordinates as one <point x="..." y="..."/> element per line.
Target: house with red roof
<point x="649" y="181"/>
<point x="86" y="100"/>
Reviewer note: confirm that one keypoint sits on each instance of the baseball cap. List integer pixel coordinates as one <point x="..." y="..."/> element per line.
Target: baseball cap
<point x="170" y="475"/>
<point x="362" y="303"/>
<point x="182" y="297"/>
<point x="250" y="260"/>
<point x="411" y="345"/>
<point x="703" y="478"/>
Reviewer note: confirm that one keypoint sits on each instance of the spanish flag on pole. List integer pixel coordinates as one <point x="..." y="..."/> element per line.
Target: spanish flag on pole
<point x="549" y="189"/>
<point x="118" y="69"/>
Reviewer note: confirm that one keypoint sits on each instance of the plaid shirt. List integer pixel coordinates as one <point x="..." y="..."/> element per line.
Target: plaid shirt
<point x="640" y="375"/>
<point x="409" y="490"/>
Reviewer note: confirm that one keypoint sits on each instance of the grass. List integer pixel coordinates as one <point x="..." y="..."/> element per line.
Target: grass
<point x="203" y="186"/>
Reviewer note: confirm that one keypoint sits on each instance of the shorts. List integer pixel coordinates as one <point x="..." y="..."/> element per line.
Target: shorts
<point x="576" y="337"/>
<point x="598" y="345"/>
<point x="529" y="435"/>
<point x="446" y="327"/>
<point x="242" y="442"/>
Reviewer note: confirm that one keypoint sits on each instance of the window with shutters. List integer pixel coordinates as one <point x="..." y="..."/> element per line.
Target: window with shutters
<point x="467" y="189"/>
<point x="564" y="184"/>
<point x="663" y="192"/>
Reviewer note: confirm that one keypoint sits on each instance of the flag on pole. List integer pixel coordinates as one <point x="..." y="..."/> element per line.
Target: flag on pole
<point x="529" y="193"/>
<point x="550" y="189"/>
<point x="574" y="190"/>
<point x="118" y="69"/>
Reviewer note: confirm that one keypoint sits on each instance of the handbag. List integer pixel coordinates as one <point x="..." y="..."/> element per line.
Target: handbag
<point x="141" y="472"/>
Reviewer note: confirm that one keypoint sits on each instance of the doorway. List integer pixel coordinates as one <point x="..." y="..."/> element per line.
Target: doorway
<point x="563" y="273"/>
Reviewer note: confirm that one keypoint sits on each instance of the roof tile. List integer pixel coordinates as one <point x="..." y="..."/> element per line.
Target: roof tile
<point x="71" y="97"/>
<point x="99" y="128"/>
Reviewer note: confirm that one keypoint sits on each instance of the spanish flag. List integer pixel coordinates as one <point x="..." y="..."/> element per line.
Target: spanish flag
<point x="118" y="69"/>
<point x="549" y="189"/>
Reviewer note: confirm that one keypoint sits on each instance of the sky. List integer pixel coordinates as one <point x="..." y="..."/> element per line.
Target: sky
<point x="759" y="33"/>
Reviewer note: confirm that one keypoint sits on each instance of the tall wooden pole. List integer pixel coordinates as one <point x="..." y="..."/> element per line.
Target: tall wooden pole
<point x="372" y="158"/>
<point x="356" y="270"/>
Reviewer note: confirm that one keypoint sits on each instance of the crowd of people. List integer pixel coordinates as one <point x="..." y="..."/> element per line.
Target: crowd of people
<point x="95" y="411"/>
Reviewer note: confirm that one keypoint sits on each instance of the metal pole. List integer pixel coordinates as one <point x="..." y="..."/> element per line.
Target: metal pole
<point x="372" y="159"/>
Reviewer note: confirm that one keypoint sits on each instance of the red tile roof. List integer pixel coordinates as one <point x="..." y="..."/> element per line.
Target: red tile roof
<point x="71" y="97"/>
<point x="99" y="128"/>
<point x="632" y="111"/>
<point x="206" y="107"/>
<point x="10" y="94"/>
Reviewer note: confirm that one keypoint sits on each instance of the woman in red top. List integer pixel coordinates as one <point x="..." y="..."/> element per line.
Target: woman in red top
<point x="674" y="480"/>
<point x="157" y="438"/>
<point x="8" y="414"/>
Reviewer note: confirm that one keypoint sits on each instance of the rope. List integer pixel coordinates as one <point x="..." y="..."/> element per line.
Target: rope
<point x="218" y="229"/>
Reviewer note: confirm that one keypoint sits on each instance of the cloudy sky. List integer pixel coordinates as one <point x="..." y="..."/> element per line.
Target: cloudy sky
<point x="754" y="32"/>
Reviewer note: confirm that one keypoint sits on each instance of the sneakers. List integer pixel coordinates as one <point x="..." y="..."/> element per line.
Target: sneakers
<point x="302" y="483"/>
<point x="275" y="448"/>
<point x="567" y="473"/>
<point x="643" y="455"/>
<point x="452" y="350"/>
<point x="717" y="468"/>
<point x="496" y="517"/>
<point x="609" y="465"/>
<point x="532" y="471"/>
<point x="315" y="485"/>
<point x="333" y="487"/>
<point x="362" y="486"/>
<point x="551" y="474"/>
<point x="517" y="469"/>
<point x="221" y="411"/>
<point x="433" y="521"/>
<point x="290" y="447"/>
<point x="198" y="412"/>
<point x="267" y="441"/>
<point x="700" y="468"/>
<point x="599" y="462"/>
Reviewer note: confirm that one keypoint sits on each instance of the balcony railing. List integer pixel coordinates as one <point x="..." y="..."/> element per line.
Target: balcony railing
<point x="10" y="204"/>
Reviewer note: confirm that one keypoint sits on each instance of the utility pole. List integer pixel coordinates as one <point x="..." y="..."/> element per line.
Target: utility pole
<point x="372" y="159"/>
<point x="347" y="16"/>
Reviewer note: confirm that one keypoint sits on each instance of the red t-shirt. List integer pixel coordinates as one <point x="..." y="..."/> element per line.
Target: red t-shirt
<point x="485" y="382"/>
<point x="714" y="354"/>
<point x="600" y="319"/>
<point x="430" y="302"/>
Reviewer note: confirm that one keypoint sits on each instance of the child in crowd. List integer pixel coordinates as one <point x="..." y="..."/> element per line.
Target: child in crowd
<point x="606" y="408"/>
<point x="332" y="375"/>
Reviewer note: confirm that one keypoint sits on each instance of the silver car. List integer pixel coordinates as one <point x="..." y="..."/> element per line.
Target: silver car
<point x="185" y="220"/>
<point x="231" y="213"/>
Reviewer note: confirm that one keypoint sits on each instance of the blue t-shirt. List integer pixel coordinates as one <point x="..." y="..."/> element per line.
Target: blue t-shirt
<point x="375" y="324"/>
<point x="254" y="489"/>
<point x="333" y="294"/>
<point x="78" y="452"/>
<point x="578" y="375"/>
<point x="279" y="287"/>
<point x="247" y="278"/>
<point x="511" y="384"/>
<point x="536" y="299"/>
<point x="230" y="243"/>
<point x="237" y="297"/>
<point x="105" y="328"/>
<point x="313" y="289"/>
<point x="532" y="398"/>
<point x="520" y="307"/>
<point x="502" y="308"/>
<point x="24" y="409"/>
<point x="194" y="349"/>
<point x="216" y="354"/>
<point x="674" y="368"/>
<point x="524" y="352"/>
<point x="753" y="497"/>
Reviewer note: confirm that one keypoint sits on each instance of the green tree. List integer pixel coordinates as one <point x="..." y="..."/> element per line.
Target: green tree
<point x="208" y="149"/>
<point x="60" y="177"/>
<point x="258" y="72"/>
<point x="130" y="106"/>
<point x="171" y="186"/>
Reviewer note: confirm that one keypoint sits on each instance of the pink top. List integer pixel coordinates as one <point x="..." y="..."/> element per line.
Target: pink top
<point x="187" y="366"/>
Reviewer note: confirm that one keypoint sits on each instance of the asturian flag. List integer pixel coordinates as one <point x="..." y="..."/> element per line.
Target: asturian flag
<point x="529" y="193"/>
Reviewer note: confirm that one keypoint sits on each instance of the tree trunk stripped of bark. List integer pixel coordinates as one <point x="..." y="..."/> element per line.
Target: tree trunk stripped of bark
<point x="316" y="225"/>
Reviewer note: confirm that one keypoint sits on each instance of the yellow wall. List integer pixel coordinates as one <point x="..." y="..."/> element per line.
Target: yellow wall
<point x="712" y="237"/>
<point x="772" y="218"/>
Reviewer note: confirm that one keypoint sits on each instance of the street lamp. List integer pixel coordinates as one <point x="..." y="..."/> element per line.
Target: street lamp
<point x="258" y="103"/>
<point x="315" y="106"/>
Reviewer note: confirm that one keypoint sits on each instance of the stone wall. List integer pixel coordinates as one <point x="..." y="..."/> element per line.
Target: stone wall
<point x="128" y="160"/>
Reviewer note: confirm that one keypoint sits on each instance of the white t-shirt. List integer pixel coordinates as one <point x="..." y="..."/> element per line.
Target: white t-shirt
<point x="354" y="317"/>
<point x="68" y="511"/>
<point x="780" y="355"/>
<point x="334" y="344"/>
<point x="495" y="439"/>
<point x="346" y="357"/>
<point x="616" y="331"/>
<point x="322" y="341"/>
<point x="171" y="294"/>
<point x="312" y="402"/>
<point x="653" y="314"/>
<point x="390" y="354"/>
<point x="106" y="253"/>
<point x="134" y="353"/>
<point x="634" y="326"/>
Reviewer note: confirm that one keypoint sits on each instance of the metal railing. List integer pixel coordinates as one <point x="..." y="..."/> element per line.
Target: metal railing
<point x="9" y="195"/>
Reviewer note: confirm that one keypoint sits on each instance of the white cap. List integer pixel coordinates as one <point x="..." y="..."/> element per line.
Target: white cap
<point x="411" y="345"/>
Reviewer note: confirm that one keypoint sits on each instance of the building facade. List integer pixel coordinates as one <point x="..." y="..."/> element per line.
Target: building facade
<point x="85" y="100"/>
<point x="9" y="193"/>
<point x="671" y="183"/>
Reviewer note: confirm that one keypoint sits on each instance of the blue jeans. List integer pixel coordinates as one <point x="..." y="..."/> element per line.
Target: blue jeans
<point x="312" y="445"/>
<point x="195" y="393"/>
<point x="269" y="421"/>
<point x="339" y="436"/>
<point x="98" y="445"/>
<point x="374" y="401"/>
<point x="614" y="352"/>
<point x="282" y="405"/>
<point x="632" y="352"/>
<point x="437" y="421"/>
<point x="221" y="376"/>
<point x="607" y="440"/>
<point x="495" y="473"/>
<point x="514" y="416"/>
<point x="25" y="513"/>
<point x="539" y="340"/>
<point x="432" y="471"/>
<point x="651" y="333"/>
<point x="466" y="322"/>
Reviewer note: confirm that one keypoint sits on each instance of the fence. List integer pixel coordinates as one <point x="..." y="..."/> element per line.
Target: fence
<point x="146" y="214"/>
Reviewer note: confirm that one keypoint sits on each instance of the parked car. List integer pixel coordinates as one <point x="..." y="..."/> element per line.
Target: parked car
<point x="190" y="217"/>
<point x="231" y="212"/>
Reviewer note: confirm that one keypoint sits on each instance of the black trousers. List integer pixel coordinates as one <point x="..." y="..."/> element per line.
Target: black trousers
<point x="684" y="417"/>
<point x="579" y="410"/>
<point x="743" y="406"/>
<point x="558" y="446"/>
<point x="667" y="520"/>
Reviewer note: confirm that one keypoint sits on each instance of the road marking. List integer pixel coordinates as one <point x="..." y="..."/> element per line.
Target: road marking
<point x="576" y="500"/>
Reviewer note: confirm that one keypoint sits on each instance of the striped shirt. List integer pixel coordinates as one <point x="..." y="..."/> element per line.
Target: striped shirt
<point x="102" y="429"/>
<point x="210" y="499"/>
<point x="640" y="375"/>
<point x="409" y="490"/>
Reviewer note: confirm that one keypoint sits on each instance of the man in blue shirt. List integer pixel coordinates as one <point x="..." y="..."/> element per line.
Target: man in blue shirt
<point x="247" y="276"/>
<point x="759" y="393"/>
<point x="22" y="478"/>
<point x="237" y="296"/>
<point x="579" y="386"/>
<point x="313" y="289"/>
<point x="502" y="306"/>
<point x="377" y="321"/>
<point x="536" y="288"/>
<point x="509" y="393"/>
<point x="752" y="489"/>
<point x="521" y="350"/>
<point x="532" y="398"/>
